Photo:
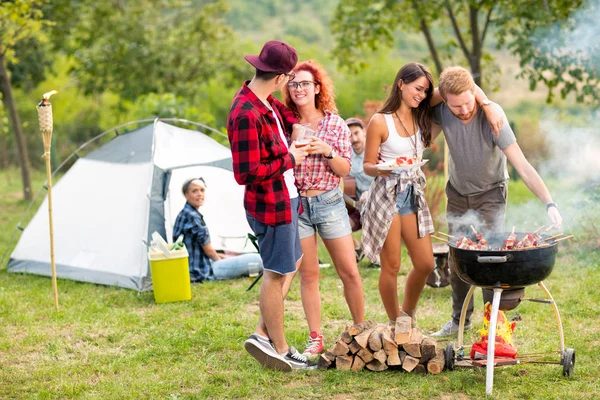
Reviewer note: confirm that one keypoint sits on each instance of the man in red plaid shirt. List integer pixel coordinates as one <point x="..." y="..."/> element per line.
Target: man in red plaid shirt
<point x="259" y="128"/>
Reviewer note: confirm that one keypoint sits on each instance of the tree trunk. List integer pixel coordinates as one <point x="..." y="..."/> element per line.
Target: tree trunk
<point x="9" y="102"/>
<point x="430" y="43"/>
<point x="475" y="60"/>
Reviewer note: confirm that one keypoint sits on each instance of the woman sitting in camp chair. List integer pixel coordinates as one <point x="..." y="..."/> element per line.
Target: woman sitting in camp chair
<point x="204" y="261"/>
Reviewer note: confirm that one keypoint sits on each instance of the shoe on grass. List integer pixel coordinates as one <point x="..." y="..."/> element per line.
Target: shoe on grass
<point x="449" y="329"/>
<point x="315" y="345"/>
<point x="264" y="352"/>
<point x="297" y="360"/>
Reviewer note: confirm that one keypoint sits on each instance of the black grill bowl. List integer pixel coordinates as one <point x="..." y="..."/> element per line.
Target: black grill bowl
<point x="509" y="269"/>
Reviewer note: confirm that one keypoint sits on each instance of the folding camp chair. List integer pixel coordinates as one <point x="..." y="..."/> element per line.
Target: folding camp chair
<point x="254" y="241"/>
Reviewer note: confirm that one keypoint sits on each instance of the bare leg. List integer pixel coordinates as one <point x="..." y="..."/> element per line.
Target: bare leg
<point x="421" y="255"/>
<point x="390" y="266"/>
<point x="344" y="260"/>
<point x="271" y="310"/>
<point x="309" y="283"/>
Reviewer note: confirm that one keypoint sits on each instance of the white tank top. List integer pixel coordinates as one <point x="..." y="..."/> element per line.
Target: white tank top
<point x="398" y="146"/>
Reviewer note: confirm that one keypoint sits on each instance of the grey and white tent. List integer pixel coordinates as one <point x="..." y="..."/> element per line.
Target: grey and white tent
<point x="106" y="207"/>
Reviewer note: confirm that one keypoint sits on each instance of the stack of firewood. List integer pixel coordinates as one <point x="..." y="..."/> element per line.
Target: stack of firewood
<point x="378" y="347"/>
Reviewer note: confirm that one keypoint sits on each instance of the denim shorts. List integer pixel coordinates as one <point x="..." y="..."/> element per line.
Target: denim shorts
<point x="405" y="201"/>
<point x="279" y="246"/>
<point x="325" y="214"/>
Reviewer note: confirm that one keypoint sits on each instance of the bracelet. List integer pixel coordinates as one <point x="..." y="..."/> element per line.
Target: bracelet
<point x="551" y="204"/>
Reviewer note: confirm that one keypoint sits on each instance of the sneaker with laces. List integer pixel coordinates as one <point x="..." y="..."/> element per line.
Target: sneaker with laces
<point x="315" y="345"/>
<point x="264" y="352"/>
<point x="297" y="360"/>
<point x="449" y="328"/>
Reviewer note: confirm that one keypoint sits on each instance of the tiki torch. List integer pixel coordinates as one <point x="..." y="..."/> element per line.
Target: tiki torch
<point x="44" y="109"/>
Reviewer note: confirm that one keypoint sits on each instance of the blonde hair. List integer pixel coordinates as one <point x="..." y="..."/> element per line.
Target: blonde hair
<point x="455" y="80"/>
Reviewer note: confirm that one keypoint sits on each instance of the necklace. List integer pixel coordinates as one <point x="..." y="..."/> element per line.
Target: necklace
<point x="410" y="137"/>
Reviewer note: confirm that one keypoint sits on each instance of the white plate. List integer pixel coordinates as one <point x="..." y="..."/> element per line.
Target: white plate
<point x="388" y="167"/>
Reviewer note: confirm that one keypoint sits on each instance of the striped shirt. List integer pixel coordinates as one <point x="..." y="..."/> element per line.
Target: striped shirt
<point x="314" y="172"/>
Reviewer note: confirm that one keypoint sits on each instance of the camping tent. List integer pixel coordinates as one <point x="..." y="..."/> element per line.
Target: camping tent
<point x="108" y="204"/>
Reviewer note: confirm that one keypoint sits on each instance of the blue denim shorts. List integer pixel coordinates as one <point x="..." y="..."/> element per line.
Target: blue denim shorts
<point x="325" y="214"/>
<point x="279" y="246"/>
<point x="405" y="201"/>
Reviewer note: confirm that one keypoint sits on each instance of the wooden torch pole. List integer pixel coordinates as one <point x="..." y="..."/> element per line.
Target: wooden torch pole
<point x="45" y="117"/>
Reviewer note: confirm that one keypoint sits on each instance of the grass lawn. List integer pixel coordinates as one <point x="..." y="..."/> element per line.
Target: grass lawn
<point x="111" y="343"/>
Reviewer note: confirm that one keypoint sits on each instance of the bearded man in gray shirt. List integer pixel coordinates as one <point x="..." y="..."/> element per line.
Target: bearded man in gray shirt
<point x="477" y="172"/>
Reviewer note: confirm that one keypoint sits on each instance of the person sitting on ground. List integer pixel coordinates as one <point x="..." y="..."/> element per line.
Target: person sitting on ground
<point x="204" y="262"/>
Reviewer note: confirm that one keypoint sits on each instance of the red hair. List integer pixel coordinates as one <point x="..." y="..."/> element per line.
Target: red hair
<point x="325" y="99"/>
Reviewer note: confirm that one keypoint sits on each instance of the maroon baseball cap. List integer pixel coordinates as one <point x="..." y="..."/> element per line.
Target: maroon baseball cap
<point x="275" y="56"/>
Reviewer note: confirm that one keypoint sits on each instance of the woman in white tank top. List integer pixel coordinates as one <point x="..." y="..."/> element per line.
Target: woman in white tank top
<point x="396" y="210"/>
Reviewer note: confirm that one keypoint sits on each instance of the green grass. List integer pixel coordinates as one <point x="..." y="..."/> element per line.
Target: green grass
<point x="110" y="343"/>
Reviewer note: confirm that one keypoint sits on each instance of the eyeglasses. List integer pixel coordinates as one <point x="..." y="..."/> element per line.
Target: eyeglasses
<point x="291" y="75"/>
<point x="303" y="84"/>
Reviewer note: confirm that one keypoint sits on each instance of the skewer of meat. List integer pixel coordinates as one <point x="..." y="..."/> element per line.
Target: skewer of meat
<point x="539" y="229"/>
<point x="478" y="236"/>
<point x="509" y="243"/>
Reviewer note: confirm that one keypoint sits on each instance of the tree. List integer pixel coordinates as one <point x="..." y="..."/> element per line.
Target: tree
<point x="523" y="27"/>
<point x="19" y="20"/>
<point x="137" y="47"/>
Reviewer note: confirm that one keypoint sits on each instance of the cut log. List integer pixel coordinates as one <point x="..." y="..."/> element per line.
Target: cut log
<point x="394" y="358"/>
<point x="402" y="355"/>
<point x="366" y="355"/>
<point x="376" y="365"/>
<point x="340" y="348"/>
<point x="413" y="347"/>
<point x="428" y="349"/>
<point x="409" y="363"/>
<point x="326" y="360"/>
<point x="345" y="336"/>
<point x="358" y="364"/>
<point x="363" y="338"/>
<point x="354" y="347"/>
<point x="402" y="329"/>
<point x="436" y="364"/>
<point x="343" y="363"/>
<point x="380" y="355"/>
<point x="356" y="329"/>
<point x="375" y="340"/>
<point x="389" y="344"/>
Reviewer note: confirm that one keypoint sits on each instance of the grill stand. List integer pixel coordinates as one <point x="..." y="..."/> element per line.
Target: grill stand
<point x="489" y="378"/>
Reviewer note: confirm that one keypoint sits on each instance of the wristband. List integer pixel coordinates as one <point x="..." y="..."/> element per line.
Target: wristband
<point x="551" y="204"/>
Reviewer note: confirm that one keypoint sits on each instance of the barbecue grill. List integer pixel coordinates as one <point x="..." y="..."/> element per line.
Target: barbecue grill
<point x="506" y="271"/>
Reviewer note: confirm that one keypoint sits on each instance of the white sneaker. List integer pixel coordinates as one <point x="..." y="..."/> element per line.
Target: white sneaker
<point x="449" y="329"/>
<point x="297" y="360"/>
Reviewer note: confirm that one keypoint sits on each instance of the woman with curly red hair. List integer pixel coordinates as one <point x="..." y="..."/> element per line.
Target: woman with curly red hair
<point x="310" y="96"/>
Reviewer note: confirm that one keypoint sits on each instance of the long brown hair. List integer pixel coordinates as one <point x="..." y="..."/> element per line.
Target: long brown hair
<point x="422" y="114"/>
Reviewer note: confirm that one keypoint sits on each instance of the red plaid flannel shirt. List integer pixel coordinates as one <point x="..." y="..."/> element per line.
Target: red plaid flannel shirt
<point x="260" y="157"/>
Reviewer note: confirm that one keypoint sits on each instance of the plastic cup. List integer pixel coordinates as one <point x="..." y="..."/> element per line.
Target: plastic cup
<point x="305" y="136"/>
<point x="253" y="269"/>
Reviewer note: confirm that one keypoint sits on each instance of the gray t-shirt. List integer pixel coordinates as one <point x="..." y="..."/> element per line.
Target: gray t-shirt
<point x="477" y="163"/>
<point x="363" y="181"/>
